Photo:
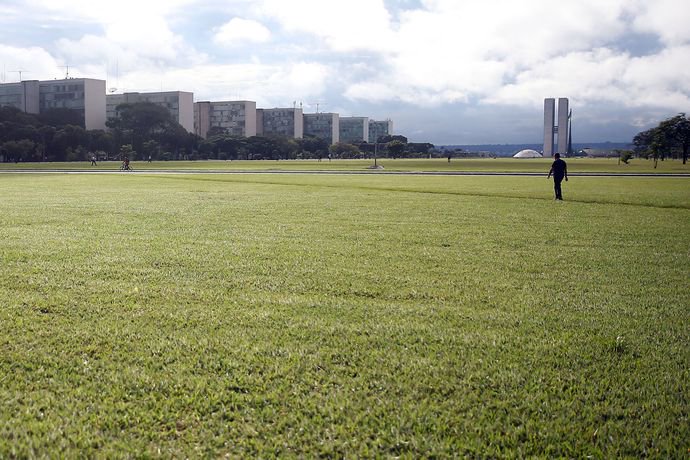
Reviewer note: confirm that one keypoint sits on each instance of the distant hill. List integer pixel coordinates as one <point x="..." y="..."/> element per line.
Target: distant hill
<point x="504" y="150"/>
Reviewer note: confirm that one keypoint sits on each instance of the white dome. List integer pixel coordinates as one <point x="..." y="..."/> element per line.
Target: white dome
<point x="527" y="153"/>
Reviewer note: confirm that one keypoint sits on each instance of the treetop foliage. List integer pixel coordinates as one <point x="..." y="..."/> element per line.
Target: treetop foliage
<point x="671" y="138"/>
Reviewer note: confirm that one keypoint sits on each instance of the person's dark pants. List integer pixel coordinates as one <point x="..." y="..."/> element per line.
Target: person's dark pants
<point x="557" y="186"/>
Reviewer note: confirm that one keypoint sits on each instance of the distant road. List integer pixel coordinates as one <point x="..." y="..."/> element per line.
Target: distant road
<point x="336" y="173"/>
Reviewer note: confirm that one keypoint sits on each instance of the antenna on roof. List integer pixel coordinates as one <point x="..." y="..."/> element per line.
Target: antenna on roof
<point x="66" y="67"/>
<point x="317" y="104"/>
<point x="20" y="73"/>
<point x="114" y="88"/>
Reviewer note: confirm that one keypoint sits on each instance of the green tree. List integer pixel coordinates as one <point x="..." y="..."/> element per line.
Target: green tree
<point x="143" y="121"/>
<point x="624" y="155"/>
<point x="225" y="147"/>
<point x="395" y="148"/>
<point x="216" y="131"/>
<point x="260" y="147"/>
<point x="127" y="151"/>
<point x="66" y="140"/>
<point x="21" y="150"/>
<point x="670" y="138"/>
<point x="391" y="137"/>
<point x="677" y="133"/>
<point x="102" y="141"/>
<point x="150" y="149"/>
<point x="59" y="117"/>
<point x="343" y="150"/>
<point x="421" y="148"/>
<point x="312" y="147"/>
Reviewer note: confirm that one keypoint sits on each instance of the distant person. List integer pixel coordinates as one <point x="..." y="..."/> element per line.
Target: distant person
<point x="125" y="163"/>
<point x="149" y="158"/>
<point x="93" y="160"/>
<point x="449" y="155"/>
<point x="560" y="171"/>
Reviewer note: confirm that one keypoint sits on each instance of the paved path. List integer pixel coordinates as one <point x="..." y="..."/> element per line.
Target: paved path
<point x="344" y="172"/>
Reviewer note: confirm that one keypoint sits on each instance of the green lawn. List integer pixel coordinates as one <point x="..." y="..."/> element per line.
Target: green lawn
<point x="359" y="316"/>
<point x="472" y="164"/>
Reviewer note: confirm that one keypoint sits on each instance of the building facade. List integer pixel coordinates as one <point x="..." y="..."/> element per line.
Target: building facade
<point x="563" y="117"/>
<point x="180" y="104"/>
<point x="353" y="129"/>
<point x="378" y="129"/>
<point x="86" y="96"/>
<point x="551" y="129"/>
<point x="280" y="122"/>
<point x="323" y="125"/>
<point x="549" y="120"/>
<point x="237" y="118"/>
<point x="22" y="95"/>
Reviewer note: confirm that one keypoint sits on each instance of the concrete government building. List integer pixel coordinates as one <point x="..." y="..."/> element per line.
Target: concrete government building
<point x="86" y="96"/>
<point x="180" y="104"/>
<point x="323" y="125"/>
<point x="551" y="129"/>
<point x="237" y="118"/>
<point x="354" y="129"/>
<point x="378" y="129"/>
<point x="280" y="122"/>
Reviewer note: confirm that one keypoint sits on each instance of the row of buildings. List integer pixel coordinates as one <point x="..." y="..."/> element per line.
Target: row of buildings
<point x="240" y="118"/>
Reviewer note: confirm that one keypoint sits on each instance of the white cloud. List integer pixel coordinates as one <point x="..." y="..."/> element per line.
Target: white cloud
<point x="34" y="62"/>
<point x="239" y="31"/>
<point x="141" y="44"/>
<point x="103" y="12"/>
<point x="502" y="52"/>
<point x="270" y="85"/>
<point x="344" y="25"/>
<point x="668" y="19"/>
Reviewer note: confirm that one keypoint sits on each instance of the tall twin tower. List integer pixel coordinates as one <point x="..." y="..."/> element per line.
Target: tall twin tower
<point x="562" y="128"/>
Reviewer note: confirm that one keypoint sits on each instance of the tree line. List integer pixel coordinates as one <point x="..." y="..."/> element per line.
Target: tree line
<point x="669" y="139"/>
<point x="145" y="130"/>
<point x="57" y="135"/>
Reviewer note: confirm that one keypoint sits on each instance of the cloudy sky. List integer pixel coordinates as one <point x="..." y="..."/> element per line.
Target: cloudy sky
<point x="445" y="71"/>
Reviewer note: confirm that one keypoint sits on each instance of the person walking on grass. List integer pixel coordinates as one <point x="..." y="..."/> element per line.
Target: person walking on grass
<point x="560" y="171"/>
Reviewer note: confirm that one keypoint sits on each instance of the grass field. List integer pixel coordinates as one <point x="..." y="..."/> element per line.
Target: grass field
<point x="359" y="316"/>
<point x="576" y="165"/>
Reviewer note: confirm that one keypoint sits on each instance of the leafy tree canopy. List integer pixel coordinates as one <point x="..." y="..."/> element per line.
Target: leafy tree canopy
<point x="671" y="138"/>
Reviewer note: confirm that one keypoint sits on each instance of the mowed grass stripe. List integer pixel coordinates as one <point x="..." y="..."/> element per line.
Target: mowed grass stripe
<point x="142" y="315"/>
<point x="592" y="190"/>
